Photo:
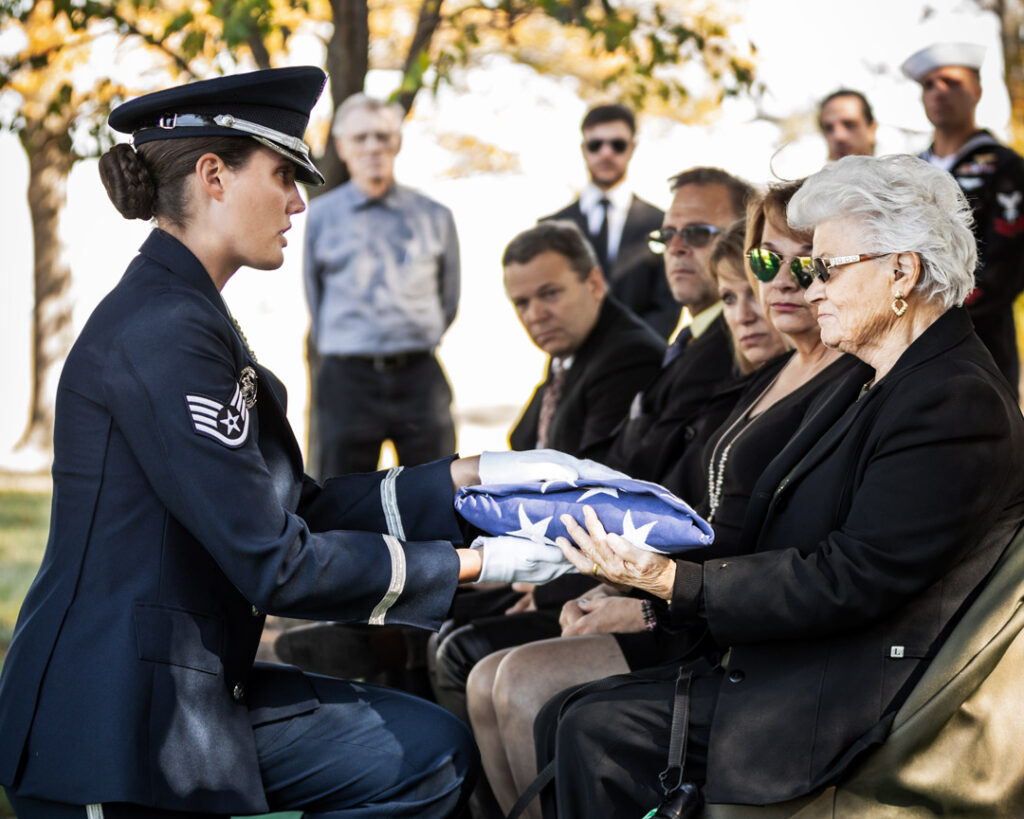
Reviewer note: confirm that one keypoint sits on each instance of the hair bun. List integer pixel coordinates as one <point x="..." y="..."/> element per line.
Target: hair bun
<point x="128" y="182"/>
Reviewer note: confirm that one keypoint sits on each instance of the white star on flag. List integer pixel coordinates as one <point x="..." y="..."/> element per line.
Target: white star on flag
<point x="599" y="490"/>
<point x="537" y="532"/>
<point x="636" y="536"/>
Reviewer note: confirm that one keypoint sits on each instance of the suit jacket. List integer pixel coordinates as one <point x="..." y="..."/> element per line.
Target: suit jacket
<point x="637" y="277"/>
<point x="648" y="445"/>
<point x="868" y="536"/>
<point x="180" y="515"/>
<point x="617" y="358"/>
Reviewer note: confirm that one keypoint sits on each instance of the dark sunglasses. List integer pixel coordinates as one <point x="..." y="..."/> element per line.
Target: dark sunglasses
<point x="766" y="265"/>
<point x="618" y="145"/>
<point x="824" y="265"/>
<point x="695" y="236"/>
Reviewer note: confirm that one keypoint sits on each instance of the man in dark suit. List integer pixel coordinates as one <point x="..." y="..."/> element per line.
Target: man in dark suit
<point x="648" y="443"/>
<point x="617" y="222"/>
<point x="600" y="353"/>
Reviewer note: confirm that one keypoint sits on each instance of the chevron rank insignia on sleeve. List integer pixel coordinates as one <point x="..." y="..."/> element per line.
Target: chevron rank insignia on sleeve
<point x="227" y="424"/>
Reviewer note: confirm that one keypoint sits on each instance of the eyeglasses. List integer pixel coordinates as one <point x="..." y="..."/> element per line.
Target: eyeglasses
<point x="695" y="236"/>
<point x="823" y="264"/>
<point x="619" y="145"/>
<point x="765" y="266"/>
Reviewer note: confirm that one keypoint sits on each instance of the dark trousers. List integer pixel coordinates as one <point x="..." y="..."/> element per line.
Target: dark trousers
<point x="367" y="752"/>
<point x="361" y="402"/>
<point x="610" y="740"/>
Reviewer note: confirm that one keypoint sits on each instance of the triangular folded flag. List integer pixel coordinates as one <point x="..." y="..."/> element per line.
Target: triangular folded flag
<point x="646" y="514"/>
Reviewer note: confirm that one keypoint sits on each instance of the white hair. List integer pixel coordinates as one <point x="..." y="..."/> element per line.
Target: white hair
<point x="901" y="203"/>
<point x="364" y="102"/>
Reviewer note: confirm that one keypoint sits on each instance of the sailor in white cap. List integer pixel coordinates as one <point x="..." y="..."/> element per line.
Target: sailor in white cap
<point x="992" y="177"/>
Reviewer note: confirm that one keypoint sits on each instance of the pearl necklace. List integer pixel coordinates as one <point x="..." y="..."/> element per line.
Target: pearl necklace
<point x="716" y="477"/>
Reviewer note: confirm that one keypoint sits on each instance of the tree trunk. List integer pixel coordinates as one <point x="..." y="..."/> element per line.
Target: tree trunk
<point x="50" y="160"/>
<point x="1011" y="21"/>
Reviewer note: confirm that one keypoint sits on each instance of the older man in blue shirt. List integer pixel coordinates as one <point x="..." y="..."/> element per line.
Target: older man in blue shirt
<point x="382" y="279"/>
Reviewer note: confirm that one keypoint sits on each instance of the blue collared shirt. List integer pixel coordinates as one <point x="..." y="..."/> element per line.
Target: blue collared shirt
<point x="382" y="275"/>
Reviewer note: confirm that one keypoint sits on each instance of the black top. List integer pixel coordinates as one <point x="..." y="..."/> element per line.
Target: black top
<point x="753" y="448"/>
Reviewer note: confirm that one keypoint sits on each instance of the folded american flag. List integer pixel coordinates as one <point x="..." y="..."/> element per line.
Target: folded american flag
<point x="646" y="514"/>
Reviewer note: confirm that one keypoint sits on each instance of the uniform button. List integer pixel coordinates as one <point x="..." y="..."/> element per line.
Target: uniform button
<point x="736" y="676"/>
<point x="723" y="565"/>
<point x="238" y="693"/>
<point x="689" y="433"/>
<point x="256" y="612"/>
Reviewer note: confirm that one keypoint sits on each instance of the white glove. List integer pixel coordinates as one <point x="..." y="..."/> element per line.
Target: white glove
<point x="524" y="467"/>
<point x="593" y="471"/>
<point x="507" y="559"/>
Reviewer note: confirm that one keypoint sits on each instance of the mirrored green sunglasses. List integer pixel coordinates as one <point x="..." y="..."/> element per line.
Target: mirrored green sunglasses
<point x="765" y="265"/>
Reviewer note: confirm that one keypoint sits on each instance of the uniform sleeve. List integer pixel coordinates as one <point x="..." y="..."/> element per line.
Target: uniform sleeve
<point x="170" y="361"/>
<point x="999" y="217"/>
<point x="915" y="509"/>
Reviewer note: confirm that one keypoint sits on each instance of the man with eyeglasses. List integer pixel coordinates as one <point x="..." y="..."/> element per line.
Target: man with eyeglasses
<point x="991" y="176"/>
<point x="617" y="222"/>
<point x="648" y="443"/>
<point x="382" y="280"/>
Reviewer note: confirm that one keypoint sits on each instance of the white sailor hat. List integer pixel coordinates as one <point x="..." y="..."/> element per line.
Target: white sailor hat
<point x="270" y="106"/>
<point x="917" y="65"/>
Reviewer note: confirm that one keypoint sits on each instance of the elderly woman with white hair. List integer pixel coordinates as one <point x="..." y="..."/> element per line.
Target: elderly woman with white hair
<point x="863" y="542"/>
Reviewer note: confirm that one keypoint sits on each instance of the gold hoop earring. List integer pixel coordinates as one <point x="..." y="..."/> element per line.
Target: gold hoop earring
<point x="899" y="304"/>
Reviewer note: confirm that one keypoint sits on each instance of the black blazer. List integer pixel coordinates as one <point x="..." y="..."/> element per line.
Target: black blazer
<point x="620" y="355"/>
<point x="649" y="445"/>
<point x="637" y="277"/>
<point x="868" y="536"/>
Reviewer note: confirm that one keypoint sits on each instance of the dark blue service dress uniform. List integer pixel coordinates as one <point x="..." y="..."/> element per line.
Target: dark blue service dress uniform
<point x="180" y="516"/>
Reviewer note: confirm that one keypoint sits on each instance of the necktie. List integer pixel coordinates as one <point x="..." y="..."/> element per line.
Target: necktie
<point x="600" y="239"/>
<point x="677" y="346"/>
<point x="549" y="403"/>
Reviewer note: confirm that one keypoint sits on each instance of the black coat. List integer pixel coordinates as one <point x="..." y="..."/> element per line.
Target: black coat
<point x="637" y="277"/>
<point x="868" y="537"/>
<point x="618" y="357"/>
<point x="650" y="445"/>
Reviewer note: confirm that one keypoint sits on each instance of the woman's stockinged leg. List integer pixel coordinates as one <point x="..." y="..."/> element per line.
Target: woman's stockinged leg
<point x="529" y="676"/>
<point x="367" y="752"/>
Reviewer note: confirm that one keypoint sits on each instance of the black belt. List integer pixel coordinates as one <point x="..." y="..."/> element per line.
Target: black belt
<point x="392" y="362"/>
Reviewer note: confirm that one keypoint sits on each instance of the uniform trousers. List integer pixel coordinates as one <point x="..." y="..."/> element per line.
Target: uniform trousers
<point x="367" y="752"/>
<point x="363" y="401"/>
<point x="610" y="740"/>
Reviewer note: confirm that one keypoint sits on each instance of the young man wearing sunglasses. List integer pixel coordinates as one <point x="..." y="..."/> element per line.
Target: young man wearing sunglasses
<point x="617" y="222"/>
<point x="648" y="443"/>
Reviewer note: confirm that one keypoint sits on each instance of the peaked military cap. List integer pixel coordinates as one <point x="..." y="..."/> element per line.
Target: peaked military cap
<point x="270" y="106"/>
<point x="921" y="63"/>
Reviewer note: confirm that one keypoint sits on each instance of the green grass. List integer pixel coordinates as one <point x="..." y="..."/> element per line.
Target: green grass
<point x="24" y="522"/>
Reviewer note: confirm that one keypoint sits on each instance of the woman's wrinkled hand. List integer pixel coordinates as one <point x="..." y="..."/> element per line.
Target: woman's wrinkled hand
<point x="613" y="559"/>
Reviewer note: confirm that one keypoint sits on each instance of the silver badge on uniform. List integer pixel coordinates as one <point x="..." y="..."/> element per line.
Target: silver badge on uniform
<point x="247" y="384"/>
<point x="228" y="423"/>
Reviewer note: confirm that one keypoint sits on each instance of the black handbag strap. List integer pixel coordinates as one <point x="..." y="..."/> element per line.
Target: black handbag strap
<point x="546" y="775"/>
<point x="672" y="777"/>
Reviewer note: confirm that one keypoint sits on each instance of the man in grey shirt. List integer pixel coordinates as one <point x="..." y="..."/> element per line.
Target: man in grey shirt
<point x="382" y="280"/>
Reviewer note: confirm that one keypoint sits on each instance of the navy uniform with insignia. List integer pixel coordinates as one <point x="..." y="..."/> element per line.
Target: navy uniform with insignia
<point x="181" y="515"/>
<point x="991" y="175"/>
